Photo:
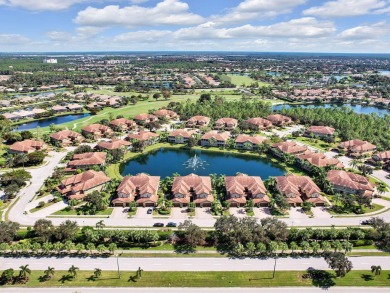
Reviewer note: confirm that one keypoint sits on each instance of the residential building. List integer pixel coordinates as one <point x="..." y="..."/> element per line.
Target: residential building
<point x="288" y="147"/>
<point x="298" y="189"/>
<point x="344" y="182"/>
<point x="141" y="188"/>
<point x="320" y="131"/>
<point x="258" y="123"/>
<point x="74" y="107"/>
<point x="227" y="124"/>
<point x="192" y="188"/>
<point x="27" y="146"/>
<point x="198" y="121"/>
<point x="357" y="147"/>
<point x="166" y="114"/>
<point x="59" y="109"/>
<point x="214" y="138"/>
<point x="66" y="138"/>
<point x="242" y="187"/>
<point x="80" y="185"/>
<point x="319" y="160"/>
<point x="142" y="119"/>
<point x="113" y="144"/>
<point x="97" y="131"/>
<point x="279" y="120"/>
<point x="180" y="136"/>
<point x="87" y="160"/>
<point x="122" y="124"/>
<point x="145" y="136"/>
<point x="248" y="142"/>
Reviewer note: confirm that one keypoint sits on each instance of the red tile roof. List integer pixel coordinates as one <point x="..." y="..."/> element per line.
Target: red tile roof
<point x="256" y="139"/>
<point x="142" y="135"/>
<point x="350" y="180"/>
<point x="82" y="182"/>
<point x="219" y="136"/>
<point x="88" y="159"/>
<point x="113" y="144"/>
<point x="294" y="185"/>
<point x="325" y="130"/>
<point x="260" y="122"/>
<point x="190" y="185"/>
<point x="320" y="160"/>
<point x="182" y="132"/>
<point x="27" y="145"/>
<point x="65" y="134"/>
<point x="290" y="147"/>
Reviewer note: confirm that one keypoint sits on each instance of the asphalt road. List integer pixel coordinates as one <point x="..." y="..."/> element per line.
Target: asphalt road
<point x="188" y="264"/>
<point x="195" y="290"/>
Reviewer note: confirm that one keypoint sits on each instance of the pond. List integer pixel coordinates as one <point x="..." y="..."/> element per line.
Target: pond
<point x="52" y="120"/>
<point x="360" y="109"/>
<point x="164" y="162"/>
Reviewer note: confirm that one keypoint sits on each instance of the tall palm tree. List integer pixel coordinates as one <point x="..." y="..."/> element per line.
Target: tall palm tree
<point x="49" y="273"/>
<point x="376" y="270"/>
<point x="24" y="272"/>
<point x="97" y="273"/>
<point x="73" y="271"/>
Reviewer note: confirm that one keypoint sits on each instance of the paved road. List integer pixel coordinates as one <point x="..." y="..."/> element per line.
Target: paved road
<point x="187" y="264"/>
<point x="196" y="290"/>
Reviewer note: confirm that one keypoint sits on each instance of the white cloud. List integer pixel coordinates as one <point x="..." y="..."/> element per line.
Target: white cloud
<point x="251" y="9"/>
<point x="13" y="39"/>
<point x="340" y="8"/>
<point x="307" y="27"/>
<point x="150" y="36"/>
<point x="59" y="36"/>
<point x="167" y="12"/>
<point x="38" y="5"/>
<point x="366" y="32"/>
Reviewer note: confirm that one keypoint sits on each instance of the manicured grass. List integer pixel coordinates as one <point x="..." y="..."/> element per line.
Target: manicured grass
<point x="316" y="143"/>
<point x="157" y="214"/>
<point x="375" y="208"/>
<point x="238" y="80"/>
<point x="47" y="204"/>
<point x="202" y="279"/>
<point x="66" y="212"/>
<point x="132" y="212"/>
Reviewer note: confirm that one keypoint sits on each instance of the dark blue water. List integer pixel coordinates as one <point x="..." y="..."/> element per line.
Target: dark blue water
<point x="52" y="120"/>
<point x="360" y="109"/>
<point x="165" y="162"/>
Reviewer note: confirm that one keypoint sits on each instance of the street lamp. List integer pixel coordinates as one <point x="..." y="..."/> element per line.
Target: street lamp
<point x="273" y="274"/>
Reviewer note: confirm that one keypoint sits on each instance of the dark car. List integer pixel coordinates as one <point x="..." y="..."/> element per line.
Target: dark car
<point x="158" y="225"/>
<point x="149" y="211"/>
<point x="171" y="224"/>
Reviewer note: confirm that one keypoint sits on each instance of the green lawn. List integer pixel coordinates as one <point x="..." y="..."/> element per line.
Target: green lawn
<point x="66" y="212"/>
<point x="317" y="143"/>
<point x="203" y="279"/>
<point x="47" y="204"/>
<point x="375" y="208"/>
<point x="238" y="80"/>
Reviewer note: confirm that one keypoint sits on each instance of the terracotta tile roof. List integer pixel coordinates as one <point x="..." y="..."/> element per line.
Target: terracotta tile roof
<point x="326" y="130"/>
<point x="144" y="116"/>
<point x="113" y="144"/>
<point x="350" y="180"/>
<point x="256" y="139"/>
<point x="165" y="113"/>
<point x="260" y="122"/>
<point x="226" y="121"/>
<point x="58" y="108"/>
<point x="122" y="121"/>
<point x="190" y="185"/>
<point x="139" y="184"/>
<point x="292" y="184"/>
<point x="384" y="156"/>
<point x="279" y="119"/>
<point x="219" y="136"/>
<point x="27" y="145"/>
<point x="83" y="182"/>
<point x="320" y="160"/>
<point x="290" y="147"/>
<point x="198" y="119"/>
<point x="65" y="134"/>
<point x="142" y="135"/>
<point x="88" y="159"/>
<point x="182" y="132"/>
<point x="357" y="145"/>
<point x="243" y="185"/>
<point x="96" y="128"/>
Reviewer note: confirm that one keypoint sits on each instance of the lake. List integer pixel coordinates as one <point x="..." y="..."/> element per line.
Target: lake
<point x="52" y="120"/>
<point x="360" y="109"/>
<point x="164" y="162"/>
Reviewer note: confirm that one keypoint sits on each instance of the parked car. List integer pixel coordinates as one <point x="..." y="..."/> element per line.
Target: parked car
<point x="158" y="225"/>
<point x="149" y="211"/>
<point x="171" y="224"/>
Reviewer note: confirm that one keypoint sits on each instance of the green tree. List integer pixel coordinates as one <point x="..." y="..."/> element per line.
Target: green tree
<point x="48" y="273"/>
<point x="24" y="273"/>
<point x="97" y="273"/>
<point x="376" y="270"/>
<point x="338" y="262"/>
<point x="73" y="271"/>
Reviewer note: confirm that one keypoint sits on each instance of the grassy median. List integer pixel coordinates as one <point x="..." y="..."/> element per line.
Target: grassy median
<point x="206" y="279"/>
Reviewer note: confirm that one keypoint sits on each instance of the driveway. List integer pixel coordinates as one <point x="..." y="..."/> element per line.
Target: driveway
<point x="203" y="213"/>
<point x="261" y="213"/>
<point x="142" y="213"/>
<point x="178" y="213"/>
<point x="297" y="213"/>
<point x="120" y="213"/>
<point x="321" y="212"/>
<point x="238" y="212"/>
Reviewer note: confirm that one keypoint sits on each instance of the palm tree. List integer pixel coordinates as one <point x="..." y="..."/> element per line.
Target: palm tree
<point x="355" y="163"/>
<point x="24" y="272"/>
<point x="293" y="246"/>
<point x="97" y="273"/>
<point x="73" y="271"/>
<point x="10" y="161"/>
<point x="90" y="246"/>
<point x="376" y="270"/>
<point x="49" y="273"/>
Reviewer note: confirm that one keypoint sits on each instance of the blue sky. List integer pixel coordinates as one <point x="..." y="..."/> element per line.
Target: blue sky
<point x="360" y="26"/>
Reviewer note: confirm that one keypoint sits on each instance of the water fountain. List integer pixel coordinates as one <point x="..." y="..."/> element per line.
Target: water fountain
<point x="195" y="163"/>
